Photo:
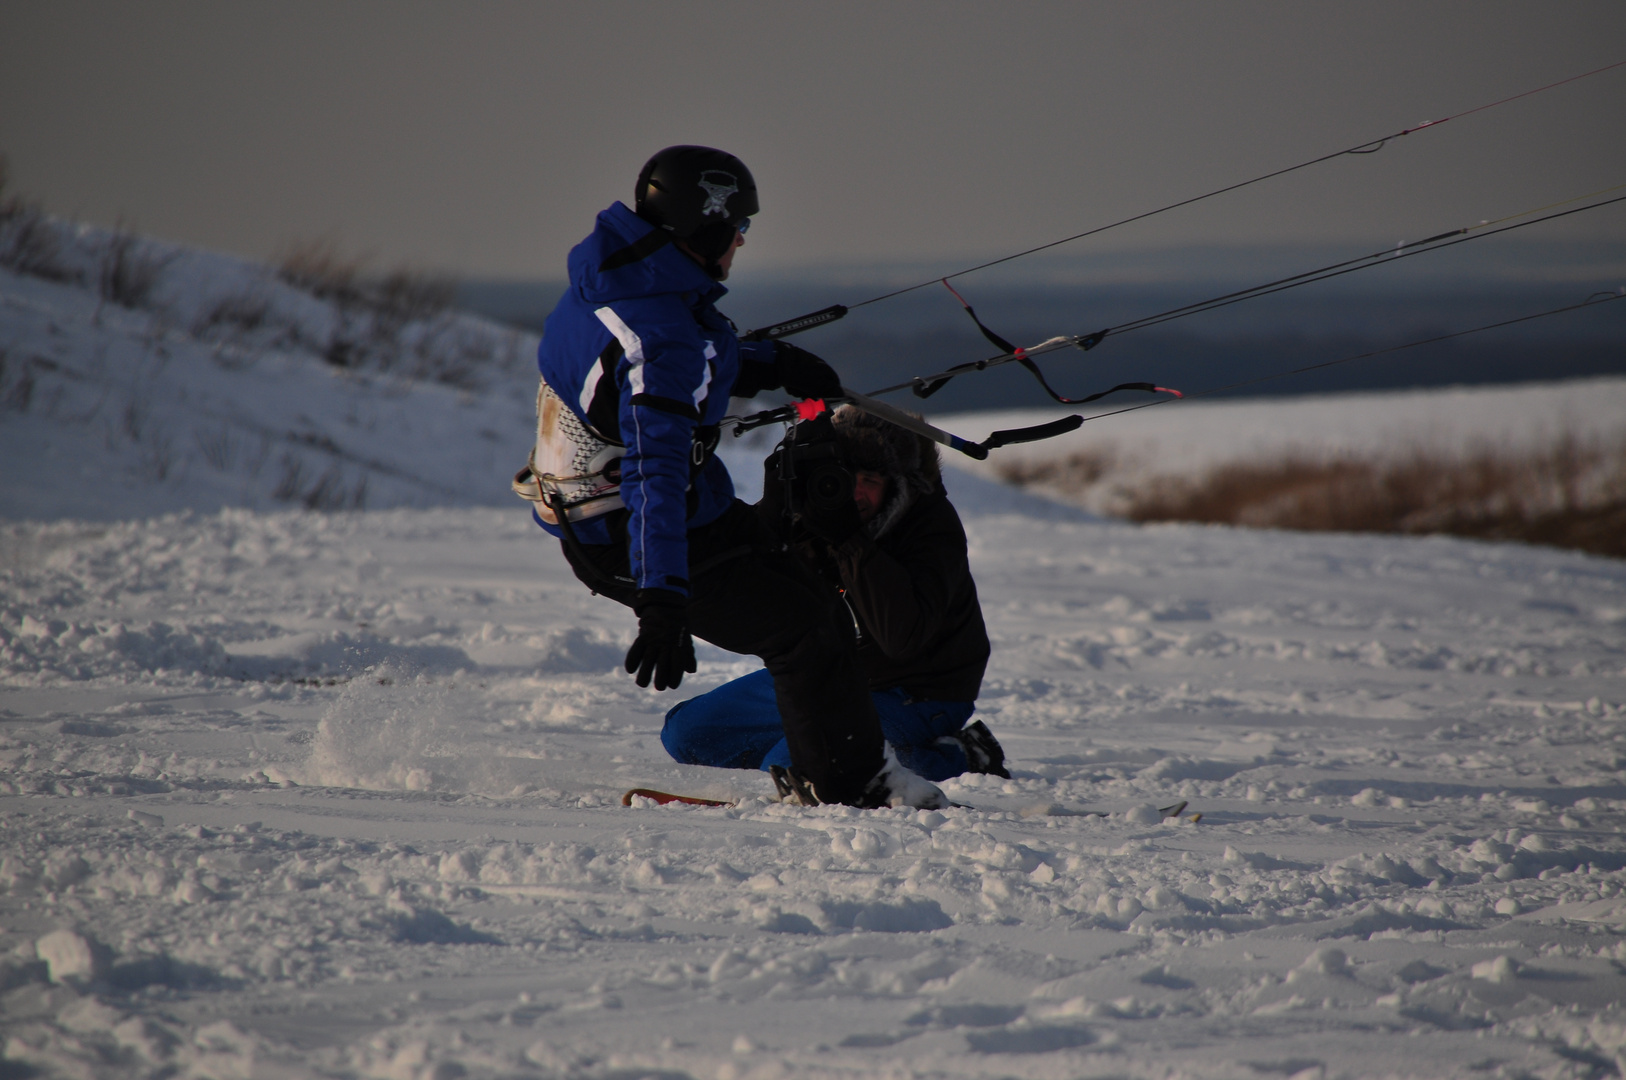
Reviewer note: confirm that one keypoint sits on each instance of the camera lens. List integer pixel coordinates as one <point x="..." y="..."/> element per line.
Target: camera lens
<point x="811" y="465"/>
<point x="827" y="486"/>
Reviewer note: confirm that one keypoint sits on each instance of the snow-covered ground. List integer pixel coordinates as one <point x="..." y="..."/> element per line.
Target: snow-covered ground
<point x="286" y="793"/>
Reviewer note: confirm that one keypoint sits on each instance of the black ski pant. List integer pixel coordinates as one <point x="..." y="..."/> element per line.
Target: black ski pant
<point x="748" y="596"/>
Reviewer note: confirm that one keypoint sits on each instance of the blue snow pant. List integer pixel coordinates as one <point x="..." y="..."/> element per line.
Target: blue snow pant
<point x="736" y="726"/>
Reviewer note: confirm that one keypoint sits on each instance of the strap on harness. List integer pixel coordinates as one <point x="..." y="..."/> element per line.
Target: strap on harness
<point x="578" y="552"/>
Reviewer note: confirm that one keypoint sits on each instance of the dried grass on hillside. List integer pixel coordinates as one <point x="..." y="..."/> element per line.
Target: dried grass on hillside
<point x="401" y="296"/>
<point x="1570" y="494"/>
<point x="28" y="243"/>
<point x="398" y="322"/>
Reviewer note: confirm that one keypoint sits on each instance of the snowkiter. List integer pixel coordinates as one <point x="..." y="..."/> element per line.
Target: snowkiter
<point x="637" y="368"/>
<point x="895" y="551"/>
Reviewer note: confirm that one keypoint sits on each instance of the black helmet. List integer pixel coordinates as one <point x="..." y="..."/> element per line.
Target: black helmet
<point x="696" y="193"/>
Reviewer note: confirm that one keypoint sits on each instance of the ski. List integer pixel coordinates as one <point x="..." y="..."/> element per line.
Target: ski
<point x="666" y="797"/>
<point x="1174" y="811"/>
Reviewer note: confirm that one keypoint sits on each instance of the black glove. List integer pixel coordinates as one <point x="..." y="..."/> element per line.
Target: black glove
<point x="663" y="646"/>
<point x="803" y="374"/>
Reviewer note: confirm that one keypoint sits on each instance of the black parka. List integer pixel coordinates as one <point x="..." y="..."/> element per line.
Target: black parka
<point x="905" y="576"/>
<point x="916" y="604"/>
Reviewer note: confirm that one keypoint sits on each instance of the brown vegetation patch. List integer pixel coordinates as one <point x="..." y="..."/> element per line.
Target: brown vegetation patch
<point x="1069" y="474"/>
<point x="1570" y="494"/>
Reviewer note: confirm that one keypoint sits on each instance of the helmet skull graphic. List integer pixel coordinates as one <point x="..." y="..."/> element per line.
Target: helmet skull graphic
<point x="718" y="186"/>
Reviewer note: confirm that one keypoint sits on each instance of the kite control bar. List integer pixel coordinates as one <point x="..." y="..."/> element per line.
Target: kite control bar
<point x="807" y="410"/>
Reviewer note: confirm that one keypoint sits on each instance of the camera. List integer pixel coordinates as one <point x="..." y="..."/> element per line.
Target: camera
<point x="810" y="469"/>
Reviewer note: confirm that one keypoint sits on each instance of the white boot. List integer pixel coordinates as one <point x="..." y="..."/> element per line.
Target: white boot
<point x="893" y="786"/>
<point x="896" y="786"/>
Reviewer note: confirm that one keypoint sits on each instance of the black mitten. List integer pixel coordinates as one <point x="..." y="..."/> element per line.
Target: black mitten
<point x="803" y="374"/>
<point x="663" y="647"/>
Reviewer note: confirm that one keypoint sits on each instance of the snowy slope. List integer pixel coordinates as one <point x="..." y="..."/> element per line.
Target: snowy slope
<point x="302" y="794"/>
<point x="224" y="387"/>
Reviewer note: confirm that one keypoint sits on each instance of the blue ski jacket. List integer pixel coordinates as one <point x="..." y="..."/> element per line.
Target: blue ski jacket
<point x="639" y="352"/>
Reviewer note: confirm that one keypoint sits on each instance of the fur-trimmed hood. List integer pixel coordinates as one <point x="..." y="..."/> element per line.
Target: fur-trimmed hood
<point x="908" y="461"/>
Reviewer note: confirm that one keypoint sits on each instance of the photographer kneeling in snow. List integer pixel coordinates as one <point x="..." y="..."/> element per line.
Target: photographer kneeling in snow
<point x="862" y="503"/>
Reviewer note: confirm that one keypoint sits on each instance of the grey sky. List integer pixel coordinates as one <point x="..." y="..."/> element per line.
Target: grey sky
<point x="482" y="138"/>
